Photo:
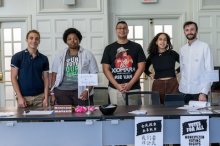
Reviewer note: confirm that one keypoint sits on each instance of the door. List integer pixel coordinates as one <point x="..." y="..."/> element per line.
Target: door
<point x="12" y="41"/>
<point x="143" y="30"/>
<point x="139" y="33"/>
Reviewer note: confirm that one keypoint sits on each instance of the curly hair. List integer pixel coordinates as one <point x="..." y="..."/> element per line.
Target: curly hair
<point x="72" y="30"/>
<point x="153" y="47"/>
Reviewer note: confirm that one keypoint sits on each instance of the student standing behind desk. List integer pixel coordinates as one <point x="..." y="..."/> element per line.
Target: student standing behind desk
<point x="29" y="73"/>
<point x="163" y="59"/>
<point x="67" y="64"/>
<point x="123" y="62"/>
<point x="195" y="61"/>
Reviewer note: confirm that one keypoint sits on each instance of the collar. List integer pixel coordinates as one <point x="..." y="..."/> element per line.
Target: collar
<point x="26" y="51"/>
<point x="192" y="42"/>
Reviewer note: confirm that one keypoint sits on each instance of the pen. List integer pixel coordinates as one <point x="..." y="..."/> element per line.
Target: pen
<point x="27" y="111"/>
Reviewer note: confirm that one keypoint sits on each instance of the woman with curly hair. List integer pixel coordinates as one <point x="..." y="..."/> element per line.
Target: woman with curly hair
<point x="163" y="58"/>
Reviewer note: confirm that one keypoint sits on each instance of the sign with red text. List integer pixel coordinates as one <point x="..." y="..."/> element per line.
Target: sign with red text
<point x="149" y="131"/>
<point x="194" y="130"/>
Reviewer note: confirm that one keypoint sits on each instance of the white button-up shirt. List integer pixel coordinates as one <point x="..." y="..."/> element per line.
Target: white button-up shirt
<point x="195" y="61"/>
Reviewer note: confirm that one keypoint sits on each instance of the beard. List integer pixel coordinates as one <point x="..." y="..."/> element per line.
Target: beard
<point x="191" y="36"/>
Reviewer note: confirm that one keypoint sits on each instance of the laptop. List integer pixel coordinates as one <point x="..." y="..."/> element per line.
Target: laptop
<point x="174" y="100"/>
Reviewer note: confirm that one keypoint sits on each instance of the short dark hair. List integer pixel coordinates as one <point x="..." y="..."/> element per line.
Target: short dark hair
<point x="33" y="31"/>
<point x="72" y="30"/>
<point x="121" y="22"/>
<point x="189" y="23"/>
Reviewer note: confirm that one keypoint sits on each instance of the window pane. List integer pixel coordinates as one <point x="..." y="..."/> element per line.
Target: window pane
<point x="9" y="92"/>
<point x="8" y="76"/>
<point x="10" y="103"/>
<point x="158" y="29"/>
<point x="130" y="34"/>
<point x="7" y="63"/>
<point x="169" y="30"/>
<point x="7" y="49"/>
<point x="138" y="32"/>
<point x="17" y="34"/>
<point x="139" y="42"/>
<point x="17" y="47"/>
<point x="7" y="35"/>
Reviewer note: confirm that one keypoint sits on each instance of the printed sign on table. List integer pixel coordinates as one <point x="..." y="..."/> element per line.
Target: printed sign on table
<point x="194" y="130"/>
<point x="149" y="131"/>
<point x="87" y="79"/>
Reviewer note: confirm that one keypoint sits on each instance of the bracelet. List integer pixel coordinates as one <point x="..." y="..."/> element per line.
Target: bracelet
<point x="51" y="93"/>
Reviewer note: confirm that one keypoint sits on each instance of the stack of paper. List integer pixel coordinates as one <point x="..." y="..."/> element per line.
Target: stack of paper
<point x="7" y="114"/>
<point x="138" y="112"/>
<point x="37" y="112"/>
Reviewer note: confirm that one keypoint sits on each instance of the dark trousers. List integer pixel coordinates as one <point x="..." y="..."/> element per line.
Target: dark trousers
<point x="70" y="97"/>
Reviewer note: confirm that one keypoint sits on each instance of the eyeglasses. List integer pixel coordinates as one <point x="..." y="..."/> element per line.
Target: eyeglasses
<point x="122" y="28"/>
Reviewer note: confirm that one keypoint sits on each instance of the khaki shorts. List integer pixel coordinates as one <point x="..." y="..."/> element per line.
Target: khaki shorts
<point x="36" y="101"/>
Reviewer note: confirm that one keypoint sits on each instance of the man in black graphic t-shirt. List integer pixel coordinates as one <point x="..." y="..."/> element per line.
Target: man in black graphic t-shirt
<point x="123" y="63"/>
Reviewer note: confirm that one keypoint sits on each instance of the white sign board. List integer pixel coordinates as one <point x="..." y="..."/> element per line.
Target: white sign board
<point x="210" y="76"/>
<point x="87" y="80"/>
<point x="149" y="131"/>
<point x="194" y="130"/>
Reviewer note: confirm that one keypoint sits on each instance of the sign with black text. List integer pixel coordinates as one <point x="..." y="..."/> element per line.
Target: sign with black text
<point x="194" y="130"/>
<point x="149" y="131"/>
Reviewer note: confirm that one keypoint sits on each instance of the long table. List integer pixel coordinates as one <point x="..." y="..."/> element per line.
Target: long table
<point x="79" y="129"/>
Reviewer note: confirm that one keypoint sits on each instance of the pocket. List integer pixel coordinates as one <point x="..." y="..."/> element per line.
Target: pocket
<point x="85" y="65"/>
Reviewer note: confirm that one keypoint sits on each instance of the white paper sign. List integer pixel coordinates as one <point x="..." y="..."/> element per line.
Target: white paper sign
<point x="210" y="76"/>
<point x="149" y="131"/>
<point x="87" y="80"/>
<point x="194" y="130"/>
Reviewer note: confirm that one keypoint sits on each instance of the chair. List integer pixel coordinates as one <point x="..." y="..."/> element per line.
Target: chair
<point x="101" y="96"/>
<point x="174" y="99"/>
<point x="215" y="88"/>
<point x="153" y="96"/>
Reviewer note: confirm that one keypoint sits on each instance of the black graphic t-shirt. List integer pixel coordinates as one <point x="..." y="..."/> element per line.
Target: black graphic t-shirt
<point x="123" y="59"/>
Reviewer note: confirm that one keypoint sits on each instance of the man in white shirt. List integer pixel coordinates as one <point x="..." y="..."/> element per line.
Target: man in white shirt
<point x="195" y="60"/>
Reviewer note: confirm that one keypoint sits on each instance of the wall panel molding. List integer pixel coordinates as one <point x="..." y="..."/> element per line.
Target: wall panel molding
<point x="209" y="5"/>
<point x="42" y="7"/>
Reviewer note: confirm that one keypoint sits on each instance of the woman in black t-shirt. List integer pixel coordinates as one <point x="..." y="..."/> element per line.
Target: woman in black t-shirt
<point x="163" y="59"/>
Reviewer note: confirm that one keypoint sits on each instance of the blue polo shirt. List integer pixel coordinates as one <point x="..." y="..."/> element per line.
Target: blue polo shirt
<point x="30" y="72"/>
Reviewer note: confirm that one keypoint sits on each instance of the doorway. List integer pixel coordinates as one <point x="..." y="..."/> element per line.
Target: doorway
<point x="12" y="41"/>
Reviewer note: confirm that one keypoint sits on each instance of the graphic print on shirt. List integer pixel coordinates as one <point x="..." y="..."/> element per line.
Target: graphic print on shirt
<point x="71" y="68"/>
<point x="123" y="65"/>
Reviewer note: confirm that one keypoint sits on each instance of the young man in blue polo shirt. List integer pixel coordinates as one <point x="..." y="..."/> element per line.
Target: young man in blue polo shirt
<point x="29" y="73"/>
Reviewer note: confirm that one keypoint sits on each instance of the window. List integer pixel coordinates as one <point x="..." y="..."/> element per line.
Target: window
<point x="164" y="28"/>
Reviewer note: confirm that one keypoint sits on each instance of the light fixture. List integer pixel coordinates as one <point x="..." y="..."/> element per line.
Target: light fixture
<point x="69" y="2"/>
<point x="149" y="1"/>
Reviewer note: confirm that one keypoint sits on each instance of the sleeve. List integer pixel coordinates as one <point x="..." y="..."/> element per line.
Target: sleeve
<point x="208" y="67"/>
<point x="93" y="64"/>
<point x="105" y="56"/>
<point x="46" y="64"/>
<point x="177" y="59"/>
<point x="141" y="55"/>
<point x="147" y="65"/>
<point x="16" y="61"/>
